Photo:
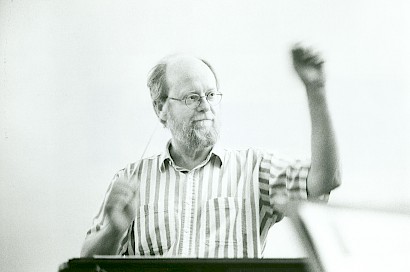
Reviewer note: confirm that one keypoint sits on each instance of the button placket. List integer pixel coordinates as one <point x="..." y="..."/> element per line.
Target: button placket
<point x="188" y="214"/>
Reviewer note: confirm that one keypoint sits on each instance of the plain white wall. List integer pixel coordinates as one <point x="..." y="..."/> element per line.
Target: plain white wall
<point x="74" y="107"/>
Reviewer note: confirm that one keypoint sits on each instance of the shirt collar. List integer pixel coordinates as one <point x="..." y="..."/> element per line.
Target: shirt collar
<point x="165" y="156"/>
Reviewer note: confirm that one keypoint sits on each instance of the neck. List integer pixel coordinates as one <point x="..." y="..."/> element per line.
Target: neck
<point x="186" y="157"/>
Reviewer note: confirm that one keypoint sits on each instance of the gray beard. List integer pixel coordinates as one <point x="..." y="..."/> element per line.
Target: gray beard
<point x="193" y="136"/>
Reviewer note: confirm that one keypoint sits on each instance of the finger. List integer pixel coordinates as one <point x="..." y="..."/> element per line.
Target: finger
<point x="304" y="53"/>
<point x="121" y="178"/>
<point x="319" y="63"/>
<point x="124" y="186"/>
<point x="118" y="203"/>
<point x="298" y="46"/>
<point x="307" y="55"/>
<point x="297" y="53"/>
<point x="121" y="195"/>
<point x="315" y="60"/>
<point x="301" y="49"/>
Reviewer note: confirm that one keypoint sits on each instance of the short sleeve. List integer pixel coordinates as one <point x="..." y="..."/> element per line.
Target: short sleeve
<point x="280" y="181"/>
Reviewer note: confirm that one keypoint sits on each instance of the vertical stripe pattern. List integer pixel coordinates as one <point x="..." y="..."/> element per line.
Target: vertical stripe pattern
<point x="223" y="208"/>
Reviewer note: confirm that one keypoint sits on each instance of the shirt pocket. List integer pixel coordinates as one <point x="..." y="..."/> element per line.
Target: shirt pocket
<point x="223" y="222"/>
<point x="155" y="230"/>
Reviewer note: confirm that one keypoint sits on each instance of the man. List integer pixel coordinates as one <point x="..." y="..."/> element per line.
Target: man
<point x="196" y="199"/>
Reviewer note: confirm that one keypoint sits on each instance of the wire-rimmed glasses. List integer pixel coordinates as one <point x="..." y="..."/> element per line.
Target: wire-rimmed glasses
<point x="194" y="100"/>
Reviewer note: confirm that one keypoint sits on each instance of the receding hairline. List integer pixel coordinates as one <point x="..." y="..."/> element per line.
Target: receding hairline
<point x="174" y="58"/>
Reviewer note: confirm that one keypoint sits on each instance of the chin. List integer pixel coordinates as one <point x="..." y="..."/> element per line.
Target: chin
<point x="200" y="135"/>
<point x="207" y="139"/>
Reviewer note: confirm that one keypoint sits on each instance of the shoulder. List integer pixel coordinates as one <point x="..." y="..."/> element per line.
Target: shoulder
<point x="266" y="158"/>
<point x="243" y="156"/>
<point x="133" y="168"/>
<point x="249" y="153"/>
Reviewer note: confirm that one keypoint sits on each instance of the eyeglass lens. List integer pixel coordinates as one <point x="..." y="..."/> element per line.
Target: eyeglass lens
<point x="194" y="100"/>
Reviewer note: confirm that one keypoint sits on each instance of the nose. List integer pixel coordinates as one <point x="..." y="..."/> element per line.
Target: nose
<point x="204" y="104"/>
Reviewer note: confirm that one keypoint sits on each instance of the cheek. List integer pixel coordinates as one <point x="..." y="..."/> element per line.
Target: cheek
<point x="181" y="115"/>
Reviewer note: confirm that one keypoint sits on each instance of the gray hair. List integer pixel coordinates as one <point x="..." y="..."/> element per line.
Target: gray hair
<point x="158" y="86"/>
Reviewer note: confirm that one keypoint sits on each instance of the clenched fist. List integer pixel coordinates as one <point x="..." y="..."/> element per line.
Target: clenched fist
<point x="309" y="66"/>
<point x="121" y="205"/>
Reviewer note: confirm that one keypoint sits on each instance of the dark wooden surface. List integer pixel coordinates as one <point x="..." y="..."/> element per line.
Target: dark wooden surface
<point x="182" y="265"/>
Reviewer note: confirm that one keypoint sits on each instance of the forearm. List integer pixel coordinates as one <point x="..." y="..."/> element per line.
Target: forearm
<point x="104" y="242"/>
<point x="323" y="175"/>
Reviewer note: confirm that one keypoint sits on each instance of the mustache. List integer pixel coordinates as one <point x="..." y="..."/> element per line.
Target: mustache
<point x="193" y="133"/>
<point x="209" y="116"/>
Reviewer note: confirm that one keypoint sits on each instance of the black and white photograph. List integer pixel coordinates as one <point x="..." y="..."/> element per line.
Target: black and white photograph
<point x="207" y="132"/>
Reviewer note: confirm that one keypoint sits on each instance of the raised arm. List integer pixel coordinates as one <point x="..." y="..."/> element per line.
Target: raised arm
<point x="324" y="173"/>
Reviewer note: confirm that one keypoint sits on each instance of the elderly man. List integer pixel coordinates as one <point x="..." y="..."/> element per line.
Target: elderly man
<point x="196" y="199"/>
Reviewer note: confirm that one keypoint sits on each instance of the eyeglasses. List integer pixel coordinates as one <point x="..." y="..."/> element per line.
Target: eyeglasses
<point x="194" y="100"/>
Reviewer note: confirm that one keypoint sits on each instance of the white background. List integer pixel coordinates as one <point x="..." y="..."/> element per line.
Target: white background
<point x="74" y="107"/>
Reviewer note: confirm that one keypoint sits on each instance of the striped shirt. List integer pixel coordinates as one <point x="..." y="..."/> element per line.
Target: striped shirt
<point x="223" y="208"/>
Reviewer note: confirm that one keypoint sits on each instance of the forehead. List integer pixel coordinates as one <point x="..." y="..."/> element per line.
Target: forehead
<point x="186" y="73"/>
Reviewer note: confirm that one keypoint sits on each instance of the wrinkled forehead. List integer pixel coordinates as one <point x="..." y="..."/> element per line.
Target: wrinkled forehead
<point x="189" y="70"/>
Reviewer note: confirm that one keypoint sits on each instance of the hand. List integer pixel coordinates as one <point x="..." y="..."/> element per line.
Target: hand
<point x="309" y="66"/>
<point x="121" y="206"/>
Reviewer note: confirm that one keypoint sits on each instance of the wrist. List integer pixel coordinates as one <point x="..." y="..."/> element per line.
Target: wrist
<point x="316" y="92"/>
<point x="316" y="85"/>
<point x="114" y="231"/>
<point x="317" y="100"/>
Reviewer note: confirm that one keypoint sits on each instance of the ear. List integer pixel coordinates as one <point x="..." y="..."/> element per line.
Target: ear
<point x="161" y="111"/>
